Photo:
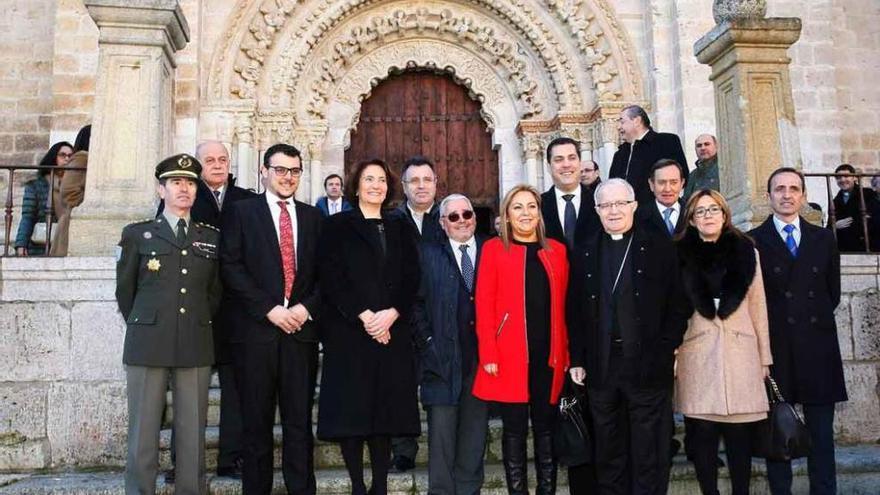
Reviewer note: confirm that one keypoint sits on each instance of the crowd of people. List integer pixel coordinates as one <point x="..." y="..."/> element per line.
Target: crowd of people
<point x="637" y="289"/>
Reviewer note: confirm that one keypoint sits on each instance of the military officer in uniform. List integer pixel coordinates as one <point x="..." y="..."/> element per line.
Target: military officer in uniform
<point x="167" y="288"/>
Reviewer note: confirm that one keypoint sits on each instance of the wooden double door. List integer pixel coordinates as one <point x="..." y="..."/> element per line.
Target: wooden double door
<point x="423" y="113"/>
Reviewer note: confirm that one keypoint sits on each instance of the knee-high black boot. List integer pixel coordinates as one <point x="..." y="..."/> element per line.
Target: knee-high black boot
<point x="545" y="463"/>
<point x="513" y="450"/>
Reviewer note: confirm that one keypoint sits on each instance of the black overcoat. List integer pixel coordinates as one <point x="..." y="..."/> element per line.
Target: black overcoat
<point x="802" y="294"/>
<point x="649" y="149"/>
<point x="852" y="238"/>
<point x="367" y="388"/>
<point x="662" y="316"/>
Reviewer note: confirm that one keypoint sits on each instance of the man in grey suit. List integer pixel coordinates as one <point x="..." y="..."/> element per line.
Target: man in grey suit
<point x="167" y="288"/>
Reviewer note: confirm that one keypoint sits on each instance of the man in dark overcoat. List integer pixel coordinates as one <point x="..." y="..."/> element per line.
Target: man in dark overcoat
<point x="850" y="229"/>
<point x="215" y="190"/>
<point x="445" y="333"/>
<point x="665" y="214"/>
<point x="801" y="268"/>
<point x="626" y="316"/>
<point x="641" y="149"/>
<point x="167" y="289"/>
<point x="567" y="207"/>
<point x="268" y="262"/>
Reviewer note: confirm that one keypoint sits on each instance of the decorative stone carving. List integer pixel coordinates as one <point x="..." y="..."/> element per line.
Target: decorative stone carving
<point x="728" y="10"/>
<point x="368" y="71"/>
<point x="597" y="41"/>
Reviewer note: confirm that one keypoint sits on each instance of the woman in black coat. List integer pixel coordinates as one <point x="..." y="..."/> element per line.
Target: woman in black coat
<point x="369" y="277"/>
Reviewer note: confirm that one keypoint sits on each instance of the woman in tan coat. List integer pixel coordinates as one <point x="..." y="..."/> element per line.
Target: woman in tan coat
<point x="725" y="355"/>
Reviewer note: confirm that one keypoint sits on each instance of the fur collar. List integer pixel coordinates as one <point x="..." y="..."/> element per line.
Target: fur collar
<point x="735" y="253"/>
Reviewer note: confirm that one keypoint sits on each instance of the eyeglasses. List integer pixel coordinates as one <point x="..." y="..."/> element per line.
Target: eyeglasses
<point x="707" y="212"/>
<point x="456" y="216"/>
<point x="418" y="181"/>
<point x="614" y="204"/>
<point x="284" y="171"/>
<point x="65" y="155"/>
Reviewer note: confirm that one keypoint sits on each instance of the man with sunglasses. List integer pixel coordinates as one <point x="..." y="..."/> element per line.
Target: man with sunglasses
<point x="444" y="330"/>
<point x="268" y="264"/>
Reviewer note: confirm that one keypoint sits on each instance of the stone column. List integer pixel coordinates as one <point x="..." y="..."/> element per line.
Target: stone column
<point x="132" y="125"/>
<point x="753" y="102"/>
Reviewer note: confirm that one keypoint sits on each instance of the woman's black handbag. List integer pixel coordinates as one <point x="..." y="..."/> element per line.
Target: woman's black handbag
<point x="572" y="442"/>
<point x="783" y="436"/>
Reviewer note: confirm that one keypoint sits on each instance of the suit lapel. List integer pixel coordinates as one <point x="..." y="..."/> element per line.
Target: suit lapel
<point x="162" y="229"/>
<point x="552" y="222"/>
<point x="265" y="223"/>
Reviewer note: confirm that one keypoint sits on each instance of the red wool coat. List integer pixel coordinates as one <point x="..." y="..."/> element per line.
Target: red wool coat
<point x="500" y="297"/>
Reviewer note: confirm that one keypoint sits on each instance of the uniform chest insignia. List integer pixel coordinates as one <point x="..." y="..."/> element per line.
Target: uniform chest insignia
<point x="206" y="247"/>
<point x="153" y="265"/>
<point x="148" y="235"/>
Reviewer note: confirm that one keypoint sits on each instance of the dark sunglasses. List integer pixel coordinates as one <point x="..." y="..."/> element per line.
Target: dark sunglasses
<point x="455" y="216"/>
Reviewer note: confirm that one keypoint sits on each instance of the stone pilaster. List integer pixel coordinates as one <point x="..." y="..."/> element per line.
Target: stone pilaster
<point x="132" y="124"/>
<point x="753" y="106"/>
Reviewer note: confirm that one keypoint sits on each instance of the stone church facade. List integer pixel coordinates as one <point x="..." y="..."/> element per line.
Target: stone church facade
<point x="260" y="71"/>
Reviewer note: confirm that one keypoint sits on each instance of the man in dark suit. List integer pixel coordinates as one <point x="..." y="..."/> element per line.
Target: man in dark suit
<point x="570" y="217"/>
<point x="420" y="188"/>
<point x="665" y="213"/>
<point x="567" y="207"/>
<point x="334" y="202"/>
<point x="848" y="211"/>
<point x="216" y="189"/>
<point x="801" y="269"/>
<point x="268" y="265"/>
<point x="167" y="288"/>
<point x="443" y="324"/>
<point x="423" y="217"/>
<point x="590" y="174"/>
<point x="642" y="148"/>
<point x="626" y="317"/>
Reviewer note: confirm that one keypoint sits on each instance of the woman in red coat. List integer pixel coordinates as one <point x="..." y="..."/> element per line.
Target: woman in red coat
<point x="521" y="333"/>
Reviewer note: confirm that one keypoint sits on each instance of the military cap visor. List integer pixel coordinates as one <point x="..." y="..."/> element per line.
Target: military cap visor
<point x="182" y="165"/>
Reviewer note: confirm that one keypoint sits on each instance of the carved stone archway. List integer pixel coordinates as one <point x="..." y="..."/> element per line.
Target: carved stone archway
<point x="297" y="70"/>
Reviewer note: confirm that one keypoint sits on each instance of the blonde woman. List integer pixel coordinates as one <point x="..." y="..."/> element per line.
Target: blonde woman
<point x="725" y="355"/>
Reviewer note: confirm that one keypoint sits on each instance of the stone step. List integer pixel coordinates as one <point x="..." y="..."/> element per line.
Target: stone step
<point x="858" y="473"/>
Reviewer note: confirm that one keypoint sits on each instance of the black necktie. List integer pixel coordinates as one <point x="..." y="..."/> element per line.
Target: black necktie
<point x="181" y="231"/>
<point x="570" y="219"/>
<point x="217" y="197"/>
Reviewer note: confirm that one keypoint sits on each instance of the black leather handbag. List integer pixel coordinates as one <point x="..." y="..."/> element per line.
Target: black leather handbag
<point x="572" y="442"/>
<point x="783" y="436"/>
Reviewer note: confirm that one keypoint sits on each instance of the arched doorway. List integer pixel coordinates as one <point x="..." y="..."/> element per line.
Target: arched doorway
<point x="424" y="113"/>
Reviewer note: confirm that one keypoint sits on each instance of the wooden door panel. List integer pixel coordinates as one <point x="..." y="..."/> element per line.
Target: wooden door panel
<point x="421" y="113"/>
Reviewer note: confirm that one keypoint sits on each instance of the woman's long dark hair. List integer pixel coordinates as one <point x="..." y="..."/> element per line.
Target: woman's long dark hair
<point x="50" y="159"/>
<point x="82" y="139"/>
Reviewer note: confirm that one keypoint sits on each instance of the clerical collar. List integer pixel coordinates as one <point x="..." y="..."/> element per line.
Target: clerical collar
<point x="618" y="237"/>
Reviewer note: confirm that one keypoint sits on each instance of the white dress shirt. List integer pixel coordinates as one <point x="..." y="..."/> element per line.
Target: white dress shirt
<point x="222" y="191"/>
<point x="560" y="203"/>
<point x="417" y="217"/>
<point x="796" y="233"/>
<point x="275" y="210"/>
<point x="334" y="206"/>
<point x="676" y="211"/>
<point x="471" y="250"/>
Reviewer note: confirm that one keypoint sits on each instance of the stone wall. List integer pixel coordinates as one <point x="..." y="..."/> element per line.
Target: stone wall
<point x="27" y="28"/>
<point x="62" y="395"/>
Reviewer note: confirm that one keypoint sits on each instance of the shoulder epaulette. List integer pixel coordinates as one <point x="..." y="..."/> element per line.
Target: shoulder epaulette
<point x="145" y="220"/>
<point x="207" y="226"/>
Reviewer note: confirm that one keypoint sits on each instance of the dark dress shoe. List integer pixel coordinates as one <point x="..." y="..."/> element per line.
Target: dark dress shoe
<point x="169" y="477"/>
<point x="233" y="471"/>
<point x="401" y="464"/>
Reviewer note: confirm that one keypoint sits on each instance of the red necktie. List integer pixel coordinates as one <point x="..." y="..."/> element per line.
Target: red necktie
<point x="288" y="251"/>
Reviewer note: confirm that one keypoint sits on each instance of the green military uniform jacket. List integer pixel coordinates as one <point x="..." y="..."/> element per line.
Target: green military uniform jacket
<point x="167" y="293"/>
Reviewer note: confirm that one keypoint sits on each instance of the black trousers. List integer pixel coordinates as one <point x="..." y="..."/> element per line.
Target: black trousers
<point x="821" y="465"/>
<point x="231" y="437"/>
<point x="281" y="373"/>
<point x="632" y="430"/>
<point x="702" y="447"/>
